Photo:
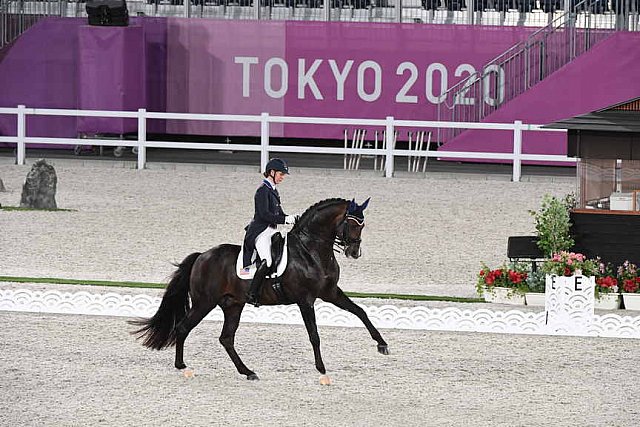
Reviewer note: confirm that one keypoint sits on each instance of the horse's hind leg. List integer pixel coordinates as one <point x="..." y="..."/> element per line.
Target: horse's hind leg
<point x="339" y="299"/>
<point x="227" y="338"/>
<point x="190" y="321"/>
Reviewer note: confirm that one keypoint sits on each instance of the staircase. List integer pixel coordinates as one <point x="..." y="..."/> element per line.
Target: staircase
<point x="521" y="67"/>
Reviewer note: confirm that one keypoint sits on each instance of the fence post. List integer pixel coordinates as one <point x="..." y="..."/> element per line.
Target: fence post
<point x="517" y="150"/>
<point x="264" y="140"/>
<point x="142" y="138"/>
<point x="21" y="133"/>
<point x="389" y="133"/>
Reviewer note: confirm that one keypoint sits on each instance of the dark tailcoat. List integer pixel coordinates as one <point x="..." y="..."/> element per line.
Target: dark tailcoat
<point x="268" y="213"/>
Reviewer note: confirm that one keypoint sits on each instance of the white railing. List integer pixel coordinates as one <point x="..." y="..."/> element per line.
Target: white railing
<point x="388" y="152"/>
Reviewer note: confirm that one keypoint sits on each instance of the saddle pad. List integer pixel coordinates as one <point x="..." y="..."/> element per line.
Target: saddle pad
<point x="253" y="268"/>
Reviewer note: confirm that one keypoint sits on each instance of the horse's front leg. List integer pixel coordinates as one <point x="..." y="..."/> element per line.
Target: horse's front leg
<point x="309" y="317"/>
<point x="339" y="299"/>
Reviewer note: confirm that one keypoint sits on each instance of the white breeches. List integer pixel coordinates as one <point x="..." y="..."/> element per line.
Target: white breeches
<point x="263" y="244"/>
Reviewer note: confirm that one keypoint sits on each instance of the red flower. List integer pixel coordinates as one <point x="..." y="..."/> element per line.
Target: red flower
<point x="567" y="271"/>
<point x="481" y="272"/>
<point x="516" y="277"/>
<point x="630" y="285"/>
<point x="607" y="282"/>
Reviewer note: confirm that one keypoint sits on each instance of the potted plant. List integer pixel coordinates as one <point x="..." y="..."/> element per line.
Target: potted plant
<point x="567" y="264"/>
<point x="552" y="224"/>
<point x="606" y="289"/>
<point x="627" y="275"/>
<point x="505" y="284"/>
<point x="535" y="288"/>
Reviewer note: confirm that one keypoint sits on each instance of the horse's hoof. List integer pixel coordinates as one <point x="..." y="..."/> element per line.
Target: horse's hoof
<point x="383" y="349"/>
<point x="325" y="380"/>
<point x="252" y="377"/>
<point x="180" y="365"/>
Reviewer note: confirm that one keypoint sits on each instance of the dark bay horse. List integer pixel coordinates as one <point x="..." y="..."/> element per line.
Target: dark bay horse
<point x="209" y="279"/>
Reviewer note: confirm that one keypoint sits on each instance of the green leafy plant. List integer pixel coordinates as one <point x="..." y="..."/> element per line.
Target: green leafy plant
<point x="536" y="281"/>
<point x="552" y="223"/>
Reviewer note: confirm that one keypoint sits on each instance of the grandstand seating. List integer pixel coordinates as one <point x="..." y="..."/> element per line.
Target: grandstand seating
<point x="485" y="12"/>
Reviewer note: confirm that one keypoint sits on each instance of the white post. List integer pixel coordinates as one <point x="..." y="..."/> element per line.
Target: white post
<point x="264" y="140"/>
<point x="390" y="146"/>
<point x="21" y="133"/>
<point x="517" y="150"/>
<point x="256" y="9"/>
<point x="142" y="138"/>
<point x="187" y="9"/>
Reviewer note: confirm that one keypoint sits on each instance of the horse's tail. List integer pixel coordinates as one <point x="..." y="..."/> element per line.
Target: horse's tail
<point x="159" y="331"/>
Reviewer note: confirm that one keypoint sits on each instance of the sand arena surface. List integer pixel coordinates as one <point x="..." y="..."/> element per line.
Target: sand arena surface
<point x="83" y="371"/>
<point x="422" y="236"/>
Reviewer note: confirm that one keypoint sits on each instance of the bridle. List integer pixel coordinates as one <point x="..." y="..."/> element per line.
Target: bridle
<point x="344" y="240"/>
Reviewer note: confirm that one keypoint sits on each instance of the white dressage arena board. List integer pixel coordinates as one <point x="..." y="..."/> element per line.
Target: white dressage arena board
<point x="383" y="316"/>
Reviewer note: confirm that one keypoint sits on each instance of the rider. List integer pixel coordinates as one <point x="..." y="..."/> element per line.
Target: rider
<point x="268" y="213"/>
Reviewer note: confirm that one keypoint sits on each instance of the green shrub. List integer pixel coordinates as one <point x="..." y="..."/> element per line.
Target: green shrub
<point x="553" y="223"/>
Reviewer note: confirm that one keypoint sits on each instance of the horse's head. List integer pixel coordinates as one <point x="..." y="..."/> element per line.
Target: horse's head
<point x="350" y="229"/>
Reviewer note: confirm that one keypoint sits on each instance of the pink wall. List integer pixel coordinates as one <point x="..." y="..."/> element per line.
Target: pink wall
<point x="606" y="75"/>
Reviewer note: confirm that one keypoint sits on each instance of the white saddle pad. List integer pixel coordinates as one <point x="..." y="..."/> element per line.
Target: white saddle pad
<point x="253" y="268"/>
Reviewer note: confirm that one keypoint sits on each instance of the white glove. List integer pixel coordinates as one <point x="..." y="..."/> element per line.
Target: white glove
<point x="289" y="219"/>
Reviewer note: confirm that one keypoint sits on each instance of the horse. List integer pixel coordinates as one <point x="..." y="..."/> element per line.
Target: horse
<point x="209" y="279"/>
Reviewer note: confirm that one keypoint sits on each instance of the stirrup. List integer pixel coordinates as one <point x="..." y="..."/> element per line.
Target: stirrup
<point x="253" y="300"/>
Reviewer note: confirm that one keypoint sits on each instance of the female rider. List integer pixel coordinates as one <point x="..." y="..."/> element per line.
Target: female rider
<point x="268" y="214"/>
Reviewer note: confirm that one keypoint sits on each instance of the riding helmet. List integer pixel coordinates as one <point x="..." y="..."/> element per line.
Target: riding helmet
<point x="277" y="165"/>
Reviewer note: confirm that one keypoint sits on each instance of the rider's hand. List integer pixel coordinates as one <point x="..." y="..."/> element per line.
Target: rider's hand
<point x="289" y="219"/>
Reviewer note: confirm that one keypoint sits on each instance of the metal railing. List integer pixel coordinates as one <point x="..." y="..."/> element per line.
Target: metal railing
<point x="522" y="66"/>
<point x="18" y="15"/>
<point x="387" y="126"/>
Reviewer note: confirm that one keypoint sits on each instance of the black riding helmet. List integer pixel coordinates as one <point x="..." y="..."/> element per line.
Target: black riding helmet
<point x="277" y="165"/>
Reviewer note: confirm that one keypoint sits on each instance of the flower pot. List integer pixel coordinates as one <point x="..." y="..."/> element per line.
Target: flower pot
<point x="631" y="301"/>
<point x="535" y="299"/>
<point x="608" y="301"/>
<point x="500" y="295"/>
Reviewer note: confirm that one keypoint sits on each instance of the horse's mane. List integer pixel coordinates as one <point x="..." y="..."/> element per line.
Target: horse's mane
<point x="309" y="213"/>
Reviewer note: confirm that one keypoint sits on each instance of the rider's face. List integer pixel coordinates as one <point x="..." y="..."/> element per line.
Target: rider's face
<point x="278" y="177"/>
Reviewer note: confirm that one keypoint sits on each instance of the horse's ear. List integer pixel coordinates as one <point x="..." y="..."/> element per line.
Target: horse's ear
<point x="352" y="206"/>
<point x="365" y="204"/>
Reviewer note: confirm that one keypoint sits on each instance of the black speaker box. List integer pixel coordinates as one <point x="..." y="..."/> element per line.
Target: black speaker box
<point x="108" y="12"/>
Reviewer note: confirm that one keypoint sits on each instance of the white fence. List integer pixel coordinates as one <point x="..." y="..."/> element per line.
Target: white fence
<point x="388" y="152"/>
<point x="418" y="317"/>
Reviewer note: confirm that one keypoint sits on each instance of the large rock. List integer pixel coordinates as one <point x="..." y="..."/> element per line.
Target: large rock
<point x="39" y="189"/>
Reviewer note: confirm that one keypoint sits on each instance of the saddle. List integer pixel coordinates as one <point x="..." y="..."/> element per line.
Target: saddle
<point x="279" y="255"/>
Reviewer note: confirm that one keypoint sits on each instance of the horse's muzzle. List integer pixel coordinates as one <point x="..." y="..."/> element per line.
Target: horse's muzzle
<point x="353" y="251"/>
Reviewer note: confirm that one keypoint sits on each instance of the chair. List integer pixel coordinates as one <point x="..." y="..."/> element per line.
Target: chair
<point x="526" y="248"/>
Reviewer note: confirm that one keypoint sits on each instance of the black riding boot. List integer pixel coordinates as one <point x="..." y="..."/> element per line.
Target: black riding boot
<point x="253" y="297"/>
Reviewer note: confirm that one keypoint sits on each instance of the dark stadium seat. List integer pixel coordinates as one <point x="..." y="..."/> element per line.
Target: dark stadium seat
<point x="455" y="4"/>
<point x="430" y="4"/>
<point x="550" y="6"/>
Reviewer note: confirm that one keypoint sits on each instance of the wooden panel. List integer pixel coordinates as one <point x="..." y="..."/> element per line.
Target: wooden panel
<point x="604" y="145"/>
<point x="629" y="106"/>
<point x="615" y="237"/>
